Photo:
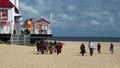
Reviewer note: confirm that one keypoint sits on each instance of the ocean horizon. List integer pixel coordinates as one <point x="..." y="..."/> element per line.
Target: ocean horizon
<point x="99" y="39"/>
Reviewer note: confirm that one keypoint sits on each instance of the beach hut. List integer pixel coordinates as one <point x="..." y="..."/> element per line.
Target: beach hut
<point x="41" y="26"/>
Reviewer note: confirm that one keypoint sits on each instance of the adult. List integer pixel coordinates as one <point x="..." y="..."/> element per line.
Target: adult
<point x="82" y="48"/>
<point x="51" y="47"/>
<point x="91" y="47"/>
<point x="99" y="48"/>
<point x="55" y="46"/>
<point x="38" y="46"/>
<point x="59" y="47"/>
<point x="42" y="47"/>
<point x="112" y="48"/>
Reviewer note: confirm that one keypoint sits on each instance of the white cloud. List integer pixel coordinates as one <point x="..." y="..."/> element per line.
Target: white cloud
<point x="28" y="9"/>
<point x="64" y="20"/>
<point x="94" y="22"/>
<point x="111" y="19"/>
<point x="67" y="17"/>
<point x="114" y="26"/>
<point x="71" y="7"/>
<point x="107" y="13"/>
<point x="103" y="14"/>
<point x="40" y="1"/>
<point x="91" y="14"/>
<point x="119" y="13"/>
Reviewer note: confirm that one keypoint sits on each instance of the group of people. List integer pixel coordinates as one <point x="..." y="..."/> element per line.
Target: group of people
<point x="45" y="46"/>
<point x="91" y="48"/>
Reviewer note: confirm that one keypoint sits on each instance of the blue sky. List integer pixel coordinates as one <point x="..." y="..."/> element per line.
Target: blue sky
<point x="88" y="18"/>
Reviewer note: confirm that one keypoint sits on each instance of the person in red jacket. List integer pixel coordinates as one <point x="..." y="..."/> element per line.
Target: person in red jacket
<point x="59" y="47"/>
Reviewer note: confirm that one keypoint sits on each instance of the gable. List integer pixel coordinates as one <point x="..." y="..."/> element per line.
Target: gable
<point x="42" y="21"/>
<point x="6" y="4"/>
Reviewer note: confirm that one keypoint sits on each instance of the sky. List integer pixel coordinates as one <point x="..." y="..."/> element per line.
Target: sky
<point x="76" y="18"/>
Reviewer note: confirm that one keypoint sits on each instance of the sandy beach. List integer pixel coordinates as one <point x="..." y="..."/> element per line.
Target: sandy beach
<point x="17" y="56"/>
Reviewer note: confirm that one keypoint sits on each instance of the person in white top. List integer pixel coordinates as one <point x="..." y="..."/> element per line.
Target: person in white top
<point x="91" y="47"/>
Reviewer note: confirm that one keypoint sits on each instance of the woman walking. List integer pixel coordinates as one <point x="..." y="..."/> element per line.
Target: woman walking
<point x="112" y="48"/>
<point x="82" y="48"/>
<point x="99" y="48"/>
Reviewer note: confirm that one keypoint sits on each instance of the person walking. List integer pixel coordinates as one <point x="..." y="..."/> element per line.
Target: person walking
<point x="91" y="47"/>
<point x="99" y="48"/>
<point x="59" y="47"/>
<point x="38" y="46"/>
<point x="82" y="48"/>
<point x="55" y="46"/>
<point x="112" y="48"/>
<point x="51" y="47"/>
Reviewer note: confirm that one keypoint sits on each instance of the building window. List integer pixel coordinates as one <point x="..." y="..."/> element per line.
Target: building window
<point x="3" y="14"/>
<point x="39" y="26"/>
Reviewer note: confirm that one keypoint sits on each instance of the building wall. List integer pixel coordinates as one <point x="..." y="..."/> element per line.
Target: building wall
<point x="10" y="10"/>
<point x="11" y="19"/>
<point x="5" y="28"/>
<point x="15" y="18"/>
<point x="41" y="28"/>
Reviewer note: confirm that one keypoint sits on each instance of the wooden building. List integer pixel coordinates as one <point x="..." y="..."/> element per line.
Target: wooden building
<point x="41" y="26"/>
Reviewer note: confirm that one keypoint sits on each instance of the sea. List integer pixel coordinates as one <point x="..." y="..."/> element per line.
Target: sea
<point x="96" y="39"/>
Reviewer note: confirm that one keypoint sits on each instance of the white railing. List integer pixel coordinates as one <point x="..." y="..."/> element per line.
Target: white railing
<point x="20" y="39"/>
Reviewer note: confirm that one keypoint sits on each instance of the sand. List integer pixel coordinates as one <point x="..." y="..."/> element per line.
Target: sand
<point x="16" y="56"/>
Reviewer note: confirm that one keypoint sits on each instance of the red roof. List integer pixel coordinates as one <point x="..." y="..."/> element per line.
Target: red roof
<point x="43" y="20"/>
<point x="7" y="4"/>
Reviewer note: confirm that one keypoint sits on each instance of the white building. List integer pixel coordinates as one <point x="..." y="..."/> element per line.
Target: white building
<point x="9" y="17"/>
<point x="41" y="26"/>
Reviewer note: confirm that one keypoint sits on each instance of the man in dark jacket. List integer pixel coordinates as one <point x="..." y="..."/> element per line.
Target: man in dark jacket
<point x="82" y="48"/>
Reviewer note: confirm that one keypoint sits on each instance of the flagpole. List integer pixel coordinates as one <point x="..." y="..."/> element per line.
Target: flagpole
<point x="51" y="20"/>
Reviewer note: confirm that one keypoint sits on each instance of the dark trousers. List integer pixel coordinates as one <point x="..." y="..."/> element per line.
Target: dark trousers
<point x="58" y="51"/>
<point x="98" y="50"/>
<point x="91" y="51"/>
<point x="82" y="52"/>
